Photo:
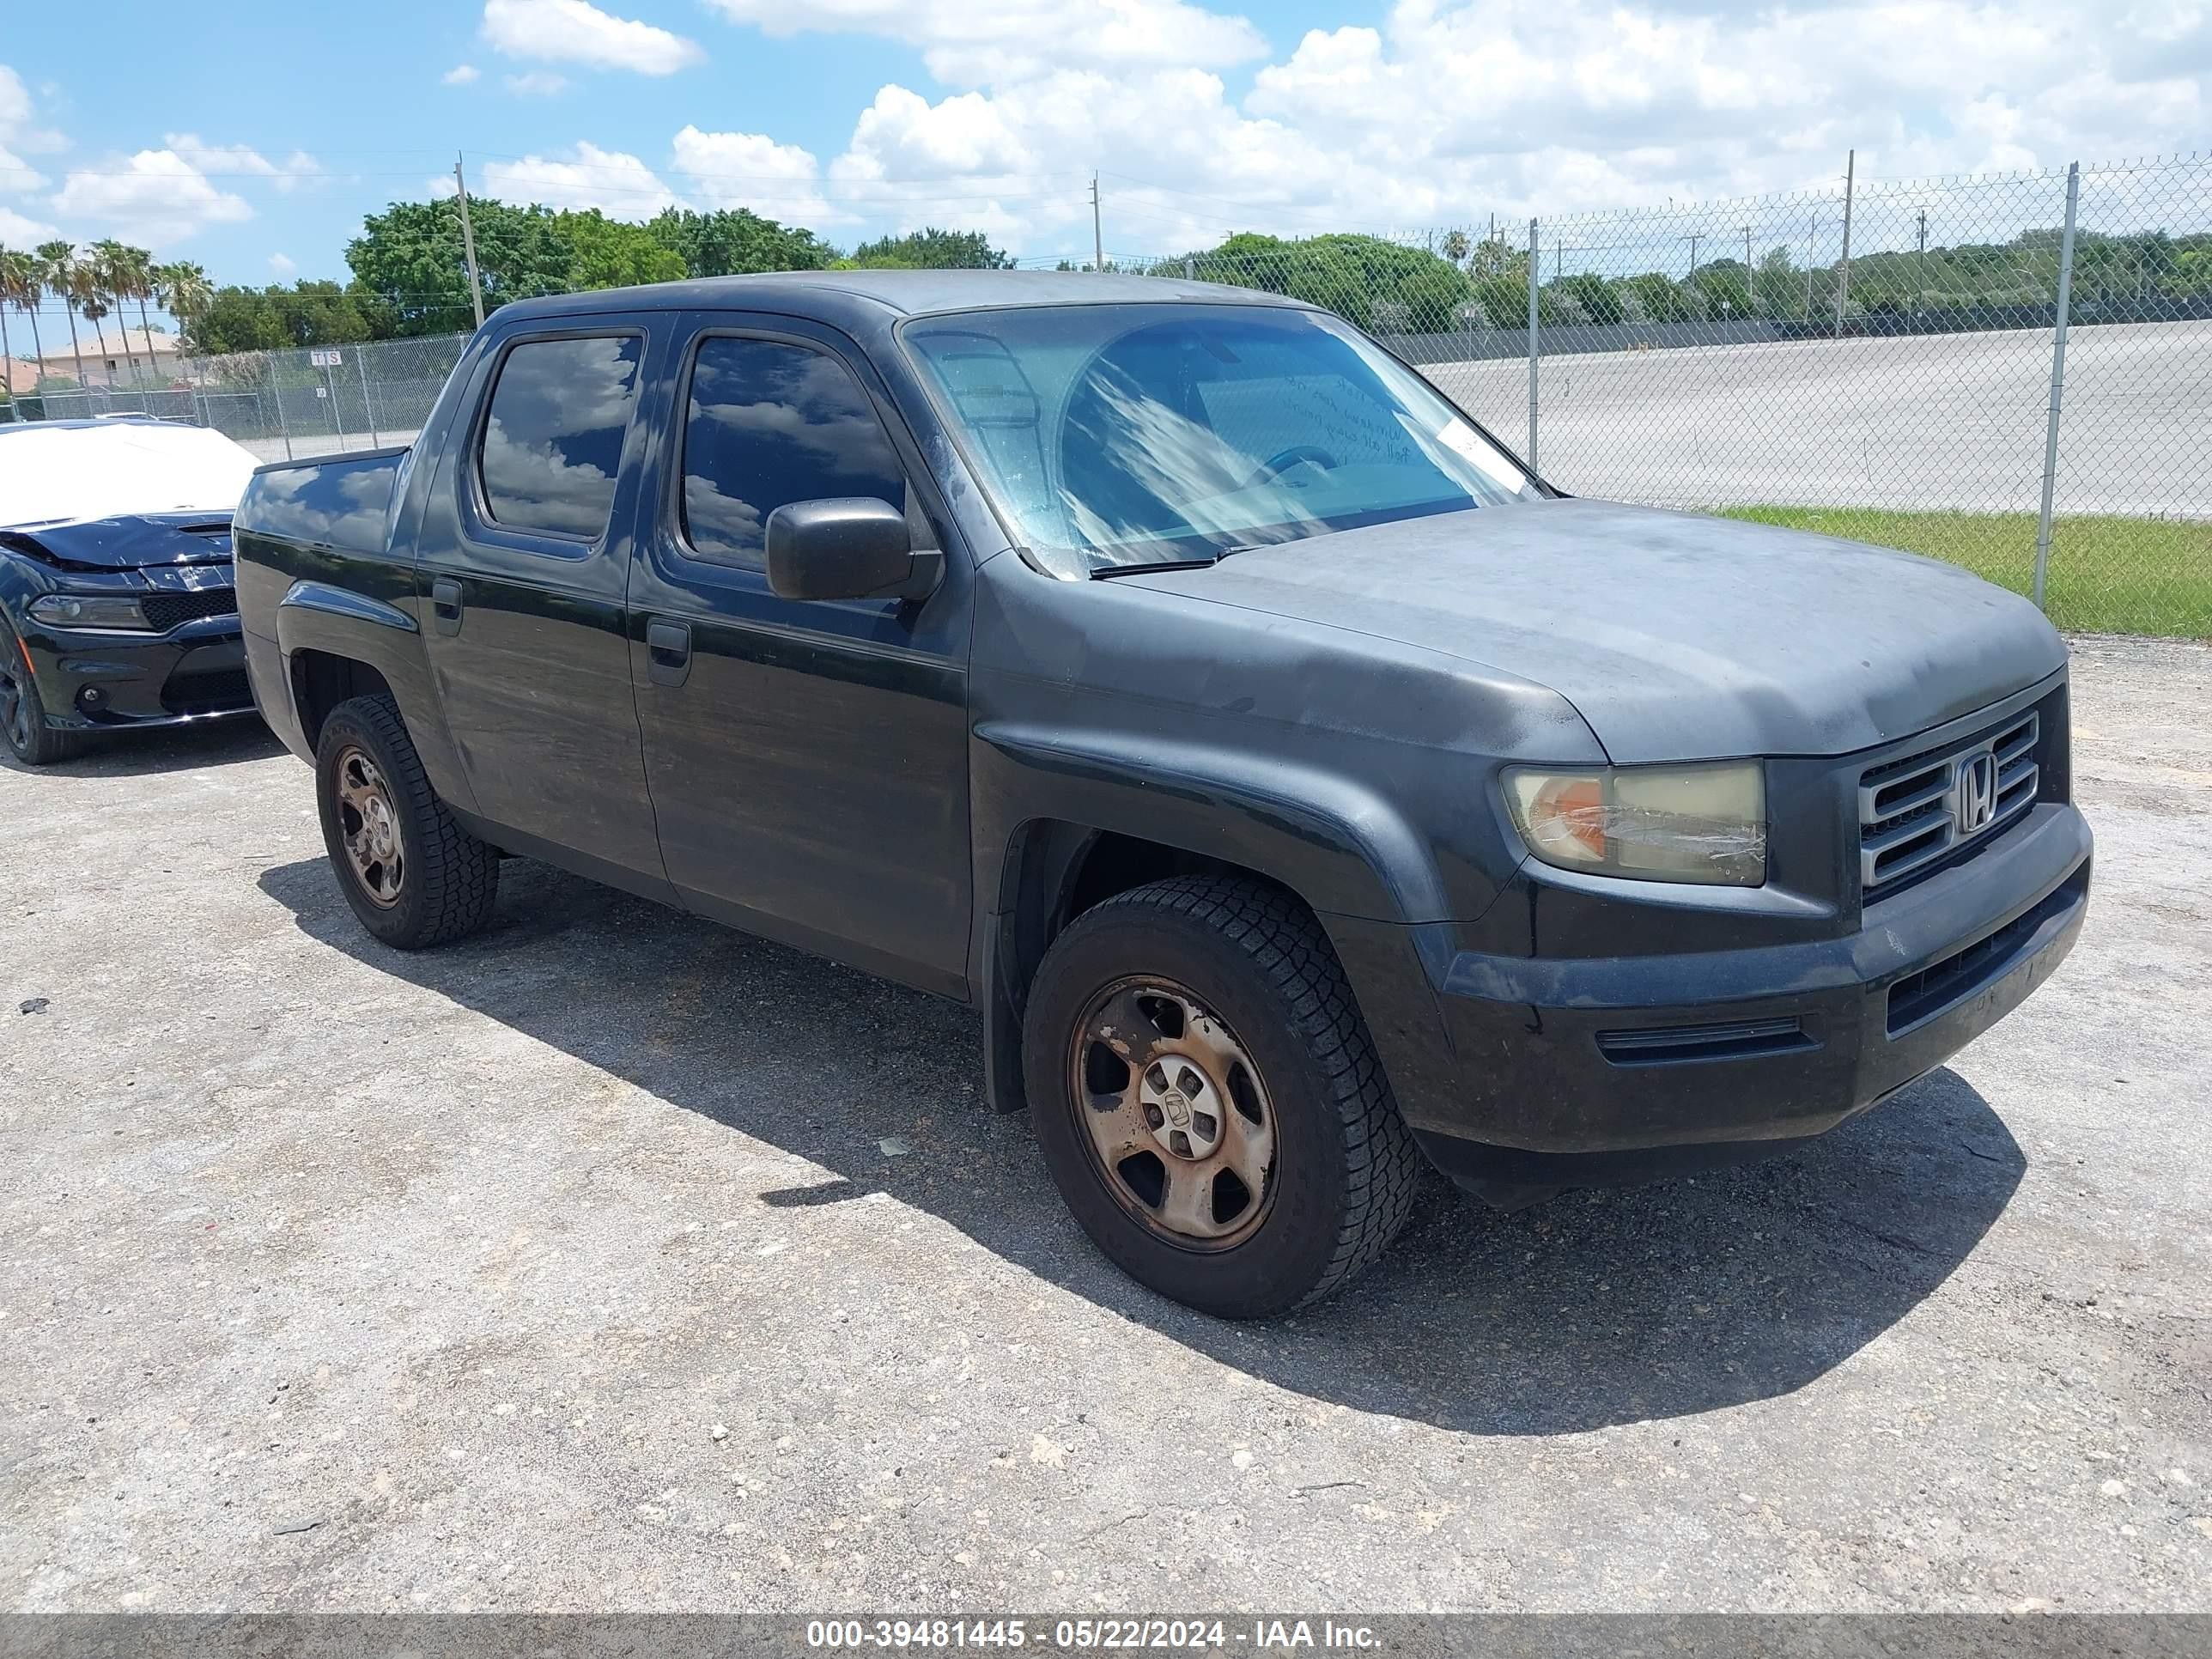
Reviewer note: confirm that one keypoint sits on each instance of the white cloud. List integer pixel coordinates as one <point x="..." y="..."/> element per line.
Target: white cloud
<point x="19" y="136"/>
<point x="460" y="75"/>
<point x="751" y="170"/>
<point x="155" y="197"/>
<point x="620" y="186"/>
<point x="17" y="231"/>
<point x="282" y="264"/>
<point x="972" y="42"/>
<point x="573" y="31"/>
<point x="219" y="160"/>
<point x="1449" y="112"/>
<point x="538" y="83"/>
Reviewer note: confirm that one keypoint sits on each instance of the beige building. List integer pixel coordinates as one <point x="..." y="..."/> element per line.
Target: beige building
<point x="125" y="364"/>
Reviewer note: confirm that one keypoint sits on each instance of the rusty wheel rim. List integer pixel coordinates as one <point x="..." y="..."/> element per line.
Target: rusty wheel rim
<point x="369" y="826"/>
<point x="1176" y="1113"/>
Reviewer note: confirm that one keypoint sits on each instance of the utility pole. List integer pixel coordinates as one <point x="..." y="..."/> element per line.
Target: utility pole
<point x="468" y="241"/>
<point x="1844" y="283"/>
<point x="1097" y="235"/>
<point x="1749" y="305"/>
<point x="1812" y="253"/>
<point x="1920" y="294"/>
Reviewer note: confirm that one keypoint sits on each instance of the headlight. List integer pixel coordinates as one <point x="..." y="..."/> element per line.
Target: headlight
<point x="91" y="610"/>
<point x="1692" y="823"/>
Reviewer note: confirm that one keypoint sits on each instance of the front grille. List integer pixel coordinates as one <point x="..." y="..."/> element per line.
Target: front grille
<point x="164" y="611"/>
<point x="211" y="691"/>
<point x="1918" y="998"/>
<point x="1911" y="809"/>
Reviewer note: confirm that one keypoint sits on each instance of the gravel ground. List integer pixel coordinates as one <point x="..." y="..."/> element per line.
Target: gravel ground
<point x="612" y="1260"/>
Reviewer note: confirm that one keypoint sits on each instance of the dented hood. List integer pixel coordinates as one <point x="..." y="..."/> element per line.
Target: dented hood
<point x="135" y="542"/>
<point x="1677" y="638"/>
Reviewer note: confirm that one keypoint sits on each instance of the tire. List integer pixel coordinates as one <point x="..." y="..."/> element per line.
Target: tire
<point x="23" y="715"/>
<point x="1254" y="976"/>
<point x="424" y="879"/>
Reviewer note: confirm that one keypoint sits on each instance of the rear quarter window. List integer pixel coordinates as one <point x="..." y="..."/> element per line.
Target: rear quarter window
<point x="551" y="448"/>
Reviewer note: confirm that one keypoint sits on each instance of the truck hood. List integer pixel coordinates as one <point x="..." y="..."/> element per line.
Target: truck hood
<point x="1677" y="638"/>
<point x="133" y="542"/>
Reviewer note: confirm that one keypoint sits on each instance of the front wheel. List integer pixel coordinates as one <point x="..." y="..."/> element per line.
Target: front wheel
<point x="23" y="715"/>
<point x="413" y="875"/>
<point x="1208" y="1101"/>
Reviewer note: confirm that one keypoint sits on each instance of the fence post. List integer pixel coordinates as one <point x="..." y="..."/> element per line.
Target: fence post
<point x="2058" y="380"/>
<point x="368" y="410"/>
<point x="1532" y="342"/>
<point x="277" y="386"/>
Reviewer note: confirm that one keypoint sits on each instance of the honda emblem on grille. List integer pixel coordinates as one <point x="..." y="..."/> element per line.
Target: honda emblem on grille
<point x="1978" y="793"/>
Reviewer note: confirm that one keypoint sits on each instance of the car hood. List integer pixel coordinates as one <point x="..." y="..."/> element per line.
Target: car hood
<point x="1677" y="638"/>
<point x="133" y="542"/>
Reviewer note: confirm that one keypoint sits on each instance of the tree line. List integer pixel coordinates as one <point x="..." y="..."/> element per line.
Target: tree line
<point x="94" y="284"/>
<point x="408" y="277"/>
<point x="1460" y="283"/>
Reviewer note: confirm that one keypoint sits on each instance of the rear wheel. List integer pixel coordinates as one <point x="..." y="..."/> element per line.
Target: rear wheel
<point x="413" y="875"/>
<point x="23" y="715"/>
<point x="1207" y="1098"/>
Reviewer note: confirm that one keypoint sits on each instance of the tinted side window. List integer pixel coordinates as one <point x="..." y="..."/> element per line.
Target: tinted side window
<point x="553" y="440"/>
<point x="768" y="424"/>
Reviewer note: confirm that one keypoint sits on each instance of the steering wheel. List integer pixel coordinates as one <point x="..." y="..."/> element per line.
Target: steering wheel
<point x="1283" y="460"/>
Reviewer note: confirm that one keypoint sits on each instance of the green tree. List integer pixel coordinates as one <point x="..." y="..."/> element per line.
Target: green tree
<point x="409" y="260"/>
<point x="1777" y="288"/>
<point x="607" y="252"/>
<point x="23" y="285"/>
<point x="182" y="289"/>
<point x="735" y="241"/>
<point x="1367" y="280"/>
<point x="1723" y="287"/>
<point x="64" y="279"/>
<point x="14" y="278"/>
<point x="1597" y="300"/>
<point x="931" y="249"/>
<point x="1653" y="297"/>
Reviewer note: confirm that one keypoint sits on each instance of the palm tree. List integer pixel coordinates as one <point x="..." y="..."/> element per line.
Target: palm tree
<point x="94" y="310"/>
<point x="110" y="272"/>
<point x="141" y="272"/>
<point x="183" y="290"/>
<point x="59" y="264"/>
<point x="13" y="268"/>
<point x="24" y="285"/>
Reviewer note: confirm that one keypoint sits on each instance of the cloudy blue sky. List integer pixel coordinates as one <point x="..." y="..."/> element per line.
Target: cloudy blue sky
<point x="253" y="134"/>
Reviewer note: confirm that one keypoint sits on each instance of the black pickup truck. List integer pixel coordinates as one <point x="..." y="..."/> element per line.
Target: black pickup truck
<point x="1296" y="784"/>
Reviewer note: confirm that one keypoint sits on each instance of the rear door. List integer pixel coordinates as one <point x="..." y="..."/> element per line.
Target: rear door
<point x="808" y="760"/>
<point x="525" y="554"/>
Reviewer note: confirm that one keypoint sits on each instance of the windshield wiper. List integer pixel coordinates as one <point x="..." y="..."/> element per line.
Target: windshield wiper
<point x="1100" y="573"/>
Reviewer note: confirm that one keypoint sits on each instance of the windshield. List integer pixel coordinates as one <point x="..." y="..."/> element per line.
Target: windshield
<point x="1152" y="433"/>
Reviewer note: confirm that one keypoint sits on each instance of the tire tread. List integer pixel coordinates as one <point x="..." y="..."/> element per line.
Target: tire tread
<point x="460" y="873"/>
<point x="1281" y="940"/>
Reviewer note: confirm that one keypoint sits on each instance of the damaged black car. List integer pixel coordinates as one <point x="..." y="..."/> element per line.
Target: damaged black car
<point x="117" y="609"/>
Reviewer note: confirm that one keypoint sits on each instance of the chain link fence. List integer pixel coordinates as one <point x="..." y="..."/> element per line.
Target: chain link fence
<point x="2013" y="374"/>
<point x="1880" y="361"/>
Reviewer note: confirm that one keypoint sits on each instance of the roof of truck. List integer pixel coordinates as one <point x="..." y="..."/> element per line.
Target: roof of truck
<point x="913" y="292"/>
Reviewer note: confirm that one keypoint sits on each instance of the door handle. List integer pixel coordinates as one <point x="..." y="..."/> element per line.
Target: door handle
<point x="445" y="605"/>
<point x="667" y="652"/>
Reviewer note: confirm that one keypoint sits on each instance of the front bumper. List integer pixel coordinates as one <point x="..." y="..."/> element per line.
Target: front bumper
<point x="92" y="682"/>
<point x="1603" y="1070"/>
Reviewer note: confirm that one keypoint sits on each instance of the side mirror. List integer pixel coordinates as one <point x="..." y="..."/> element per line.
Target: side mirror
<point x="847" y="547"/>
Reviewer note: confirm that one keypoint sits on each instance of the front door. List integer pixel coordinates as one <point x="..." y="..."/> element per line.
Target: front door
<point x="526" y="557"/>
<point x="808" y="762"/>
